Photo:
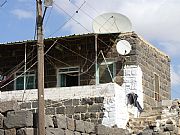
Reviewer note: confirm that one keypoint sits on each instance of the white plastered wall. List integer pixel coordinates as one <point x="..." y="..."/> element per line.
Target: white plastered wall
<point x="133" y="83"/>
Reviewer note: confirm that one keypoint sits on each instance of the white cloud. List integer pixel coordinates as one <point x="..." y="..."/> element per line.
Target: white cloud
<point x="172" y="48"/>
<point x="22" y="14"/>
<point x="154" y="20"/>
<point x="175" y="76"/>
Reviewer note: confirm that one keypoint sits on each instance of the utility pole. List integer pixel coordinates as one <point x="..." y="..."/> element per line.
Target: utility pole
<point x="40" y="52"/>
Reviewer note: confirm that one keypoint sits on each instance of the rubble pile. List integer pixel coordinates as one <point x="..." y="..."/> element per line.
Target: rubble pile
<point x="163" y="120"/>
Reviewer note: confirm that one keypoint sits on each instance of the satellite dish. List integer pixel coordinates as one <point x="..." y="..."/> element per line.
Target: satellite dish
<point x="111" y="23"/>
<point x="123" y="47"/>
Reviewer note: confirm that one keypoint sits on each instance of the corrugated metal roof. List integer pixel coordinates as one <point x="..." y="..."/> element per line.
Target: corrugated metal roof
<point x="29" y="41"/>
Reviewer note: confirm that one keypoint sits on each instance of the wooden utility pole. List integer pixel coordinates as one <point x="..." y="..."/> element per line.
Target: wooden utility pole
<point x="40" y="52"/>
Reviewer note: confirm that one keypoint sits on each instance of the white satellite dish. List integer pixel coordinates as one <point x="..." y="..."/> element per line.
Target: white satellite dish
<point x="111" y="23"/>
<point x="123" y="47"/>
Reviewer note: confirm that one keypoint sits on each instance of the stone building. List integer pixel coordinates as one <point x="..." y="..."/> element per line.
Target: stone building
<point x="72" y="75"/>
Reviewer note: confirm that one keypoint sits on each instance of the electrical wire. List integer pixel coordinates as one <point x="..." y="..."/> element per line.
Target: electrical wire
<point x="3" y="3"/>
<point x="18" y="76"/>
<point x="75" y="52"/>
<point x="72" y="17"/>
<point x="48" y="17"/>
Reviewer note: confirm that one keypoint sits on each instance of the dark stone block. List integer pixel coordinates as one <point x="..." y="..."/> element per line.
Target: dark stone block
<point x="11" y="131"/>
<point x="99" y="99"/>
<point x="61" y="121"/>
<point x="18" y="119"/>
<point x="56" y="104"/>
<point x="77" y="117"/>
<point x="89" y="127"/>
<point x="69" y="132"/>
<point x="68" y="102"/>
<point x="9" y="106"/>
<point x="50" y="111"/>
<point x="25" y="106"/>
<point x="70" y="124"/>
<point x="99" y="121"/>
<point x="86" y="101"/>
<point x="169" y="127"/>
<point x="93" y="115"/>
<point x="95" y="121"/>
<point x="54" y="131"/>
<point x="87" y="115"/>
<point x="95" y="108"/>
<point x="76" y="101"/>
<point x="80" y="126"/>
<point x="101" y="115"/>
<point x="69" y="116"/>
<point x="60" y="110"/>
<point x="81" y="109"/>
<point x="103" y="130"/>
<point x="1" y="120"/>
<point x="1" y="131"/>
<point x="48" y="102"/>
<point x="69" y="110"/>
<point x="35" y="104"/>
<point x="83" y="116"/>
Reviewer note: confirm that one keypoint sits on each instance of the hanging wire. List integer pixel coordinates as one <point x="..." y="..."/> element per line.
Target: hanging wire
<point x="3" y="3"/>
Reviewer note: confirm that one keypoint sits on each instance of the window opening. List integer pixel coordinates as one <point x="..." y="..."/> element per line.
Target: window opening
<point x="30" y="80"/>
<point x="156" y="87"/>
<point x="104" y="75"/>
<point x="68" y="77"/>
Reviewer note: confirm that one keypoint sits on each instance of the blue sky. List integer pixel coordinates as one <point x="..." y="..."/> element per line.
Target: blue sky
<point x="157" y="21"/>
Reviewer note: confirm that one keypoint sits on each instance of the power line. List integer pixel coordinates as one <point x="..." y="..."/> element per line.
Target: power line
<point x="72" y="17"/>
<point x="3" y="3"/>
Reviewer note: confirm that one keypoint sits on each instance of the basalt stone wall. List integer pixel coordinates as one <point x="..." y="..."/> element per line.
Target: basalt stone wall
<point x="88" y="109"/>
<point x="14" y="121"/>
<point x="152" y="62"/>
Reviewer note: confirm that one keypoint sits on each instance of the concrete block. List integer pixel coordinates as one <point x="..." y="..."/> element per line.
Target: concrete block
<point x="9" y="106"/>
<point x="1" y="131"/>
<point x="54" y="131"/>
<point x="18" y="119"/>
<point x="1" y="120"/>
<point x="70" y="124"/>
<point x="11" y="131"/>
<point x="80" y="126"/>
<point x="89" y="127"/>
<point x="27" y="131"/>
<point x="61" y="121"/>
<point x="166" y="102"/>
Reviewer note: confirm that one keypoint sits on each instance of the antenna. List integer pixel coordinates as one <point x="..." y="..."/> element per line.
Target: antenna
<point x="111" y="23"/>
<point x="123" y="47"/>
